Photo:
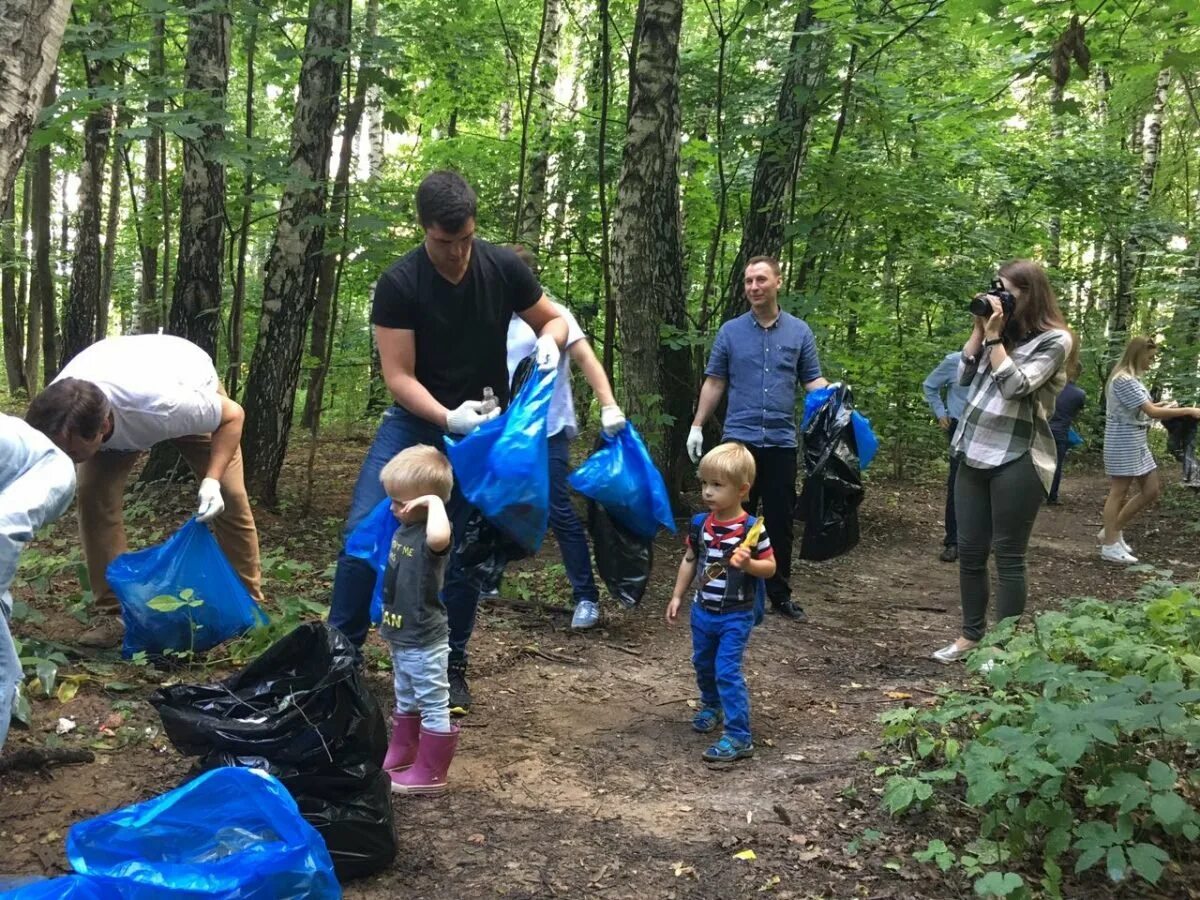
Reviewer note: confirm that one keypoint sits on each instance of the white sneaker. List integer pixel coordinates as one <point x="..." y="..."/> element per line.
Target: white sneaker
<point x="1115" y="553"/>
<point x="1120" y="541"/>
<point x="952" y="653"/>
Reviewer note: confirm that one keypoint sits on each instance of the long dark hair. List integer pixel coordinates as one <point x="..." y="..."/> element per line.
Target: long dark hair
<point x="1038" y="309"/>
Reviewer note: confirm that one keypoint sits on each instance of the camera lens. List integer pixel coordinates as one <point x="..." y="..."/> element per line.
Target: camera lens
<point x="980" y="306"/>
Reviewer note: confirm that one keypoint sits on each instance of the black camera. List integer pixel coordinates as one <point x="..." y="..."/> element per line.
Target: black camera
<point x="981" y="307"/>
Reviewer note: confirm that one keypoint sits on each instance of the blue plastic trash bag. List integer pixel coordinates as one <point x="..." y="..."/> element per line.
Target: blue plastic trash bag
<point x="1074" y="439"/>
<point x="622" y="478"/>
<point x="231" y="833"/>
<point x="371" y="540"/>
<point x="182" y="595"/>
<point x="66" y="887"/>
<point x="503" y="466"/>
<point x="864" y="437"/>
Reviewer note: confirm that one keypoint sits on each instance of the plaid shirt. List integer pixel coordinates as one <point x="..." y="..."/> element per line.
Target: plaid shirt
<point x="1009" y="408"/>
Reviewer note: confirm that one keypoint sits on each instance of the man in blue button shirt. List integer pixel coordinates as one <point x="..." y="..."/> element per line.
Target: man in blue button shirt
<point x="945" y="378"/>
<point x="761" y="355"/>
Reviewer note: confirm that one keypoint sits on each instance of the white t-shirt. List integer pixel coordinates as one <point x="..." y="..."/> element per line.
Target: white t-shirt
<point x="160" y="387"/>
<point x="521" y="341"/>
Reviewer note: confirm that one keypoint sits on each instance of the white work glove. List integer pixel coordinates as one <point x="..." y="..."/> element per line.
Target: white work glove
<point x="546" y="353"/>
<point x="211" y="502"/>
<point x="695" y="443"/>
<point x="468" y="416"/>
<point x="612" y="420"/>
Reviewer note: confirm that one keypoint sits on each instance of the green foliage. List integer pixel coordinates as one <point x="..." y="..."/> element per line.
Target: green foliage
<point x="1078" y="751"/>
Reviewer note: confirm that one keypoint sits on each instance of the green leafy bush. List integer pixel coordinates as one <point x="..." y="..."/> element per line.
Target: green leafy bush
<point x="1078" y="749"/>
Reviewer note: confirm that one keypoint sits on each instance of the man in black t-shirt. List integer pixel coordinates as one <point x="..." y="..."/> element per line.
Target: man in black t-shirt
<point x="441" y="315"/>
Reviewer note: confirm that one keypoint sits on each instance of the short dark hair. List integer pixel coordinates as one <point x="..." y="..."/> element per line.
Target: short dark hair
<point x="525" y="255"/>
<point x="769" y="260"/>
<point x="67" y="407"/>
<point x="444" y="198"/>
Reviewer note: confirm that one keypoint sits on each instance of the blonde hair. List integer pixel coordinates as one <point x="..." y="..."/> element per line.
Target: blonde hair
<point x="1135" y="360"/>
<point x="418" y="471"/>
<point x="731" y="460"/>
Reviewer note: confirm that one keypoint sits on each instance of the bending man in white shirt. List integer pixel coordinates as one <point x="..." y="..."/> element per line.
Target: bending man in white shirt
<point x="561" y="429"/>
<point x="116" y="400"/>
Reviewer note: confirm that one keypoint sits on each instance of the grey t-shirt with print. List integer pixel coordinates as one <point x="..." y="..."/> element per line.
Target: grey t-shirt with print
<point x="413" y="613"/>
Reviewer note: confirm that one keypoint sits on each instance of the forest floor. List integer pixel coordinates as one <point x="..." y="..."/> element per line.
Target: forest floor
<point x="577" y="772"/>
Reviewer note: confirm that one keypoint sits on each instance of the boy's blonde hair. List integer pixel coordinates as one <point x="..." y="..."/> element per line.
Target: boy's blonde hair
<point x="731" y="460"/>
<point x="418" y="471"/>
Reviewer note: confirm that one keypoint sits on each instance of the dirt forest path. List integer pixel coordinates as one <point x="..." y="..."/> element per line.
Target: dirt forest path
<point x="578" y="774"/>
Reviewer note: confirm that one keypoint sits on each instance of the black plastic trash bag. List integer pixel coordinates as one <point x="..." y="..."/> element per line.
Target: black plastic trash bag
<point x="1181" y="443"/>
<point x="623" y="559"/>
<point x="351" y="808"/>
<point x="833" y="481"/>
<point x="482" y="551"/>
<point x="301" y="711"/>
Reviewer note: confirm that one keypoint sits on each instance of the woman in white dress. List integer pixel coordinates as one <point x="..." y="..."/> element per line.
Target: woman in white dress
<point x="1127" y="457"/>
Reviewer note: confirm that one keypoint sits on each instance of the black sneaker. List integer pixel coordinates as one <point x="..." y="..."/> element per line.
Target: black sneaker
<point x="790" y="610"/>
<point x="460" y="694"/>
<point x="949" y="553"/>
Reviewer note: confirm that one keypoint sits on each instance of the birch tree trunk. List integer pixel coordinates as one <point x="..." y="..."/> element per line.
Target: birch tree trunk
<point x="320" y="336"/>
<point x="83" y="301"/>
<point x="533" y="203"/>
<point x="150" y="315"/>
<point x="31" y="33"/>
<point x="14" y="331"/>
<point x="781" y="157"/>
<point x="196" y="299"/>
<point x="291" y="274"/>
<point x="1132" y="255"/>
<point x="647" y="249"/>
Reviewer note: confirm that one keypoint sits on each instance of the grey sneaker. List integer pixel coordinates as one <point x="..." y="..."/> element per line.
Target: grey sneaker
<point x="587" y="614"/>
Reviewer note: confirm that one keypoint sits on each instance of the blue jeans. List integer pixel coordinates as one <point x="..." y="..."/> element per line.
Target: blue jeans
<point x="568" y="531"/>
<point x="10" y="667"/>
<point x="1062" y="447"/>
<point x="420" y="681"/>
<point x="354" y="580"/>
<point x="718" y="644"/>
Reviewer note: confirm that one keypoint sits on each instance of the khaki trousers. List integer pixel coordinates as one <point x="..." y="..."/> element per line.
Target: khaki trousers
<point x="100" y="493"/>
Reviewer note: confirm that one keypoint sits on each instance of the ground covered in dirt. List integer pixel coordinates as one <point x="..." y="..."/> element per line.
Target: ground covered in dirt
<point x="577" y="771"/>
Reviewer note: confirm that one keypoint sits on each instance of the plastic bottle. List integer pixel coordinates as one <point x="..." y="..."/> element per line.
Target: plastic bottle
<point x="489" y="401"/>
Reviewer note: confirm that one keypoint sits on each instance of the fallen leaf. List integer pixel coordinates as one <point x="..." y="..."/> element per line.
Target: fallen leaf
<point x="808" y="855"/>
<point x="476" y="839"/>
<point x="794" y="757"/>
<point x="897" y="695"/>
<point x="745" y="854"/>
<point x="681" y="869"/>
<point x="769" y="884"/>
<point x="855" y="686"/>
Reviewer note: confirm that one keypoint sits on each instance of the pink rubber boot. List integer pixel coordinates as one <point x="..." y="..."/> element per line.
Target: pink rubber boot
<point x="402" y="748"/>
<point x="428" y="774"/>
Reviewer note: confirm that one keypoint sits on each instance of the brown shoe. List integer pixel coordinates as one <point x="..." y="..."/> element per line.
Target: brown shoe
<point x="106" y="633"/>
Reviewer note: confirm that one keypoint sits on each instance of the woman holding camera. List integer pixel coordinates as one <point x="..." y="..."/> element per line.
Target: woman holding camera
<point x="1127" y="457"/>
<point x="1015" y="363"/>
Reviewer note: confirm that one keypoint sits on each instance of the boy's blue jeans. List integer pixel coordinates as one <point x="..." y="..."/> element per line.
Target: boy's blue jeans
<point x="718" y="644"/>
<point x="419" y="678"/>
<point x="354" y="580"/>
<point x="568" y="530"/>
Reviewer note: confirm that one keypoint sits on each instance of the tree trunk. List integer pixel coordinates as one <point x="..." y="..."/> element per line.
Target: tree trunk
<point x="610" y="300"/>
<point x="375" y="131"/>
<point x="647" y="246"/>
<point x="1132" y="254"/>
<point x="291" y="273"/>
<point x="533" y="202"/>
<point x="150" y="315"/>
<point x="320" y="346"/>
<point x="782" y="154"/>
<point x="23" y="272"/>
<point x="237" y="307"/>
<point x="83" y="301"/>
<point x="14" y="331"/>
<point x="111" y="225"/>
<point x="33" y="309"/>
<point x="196" y="300"/>
<point x="41" y="281"/>
<point x="1054" y="252"/>
<point x="31" y="33"/>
